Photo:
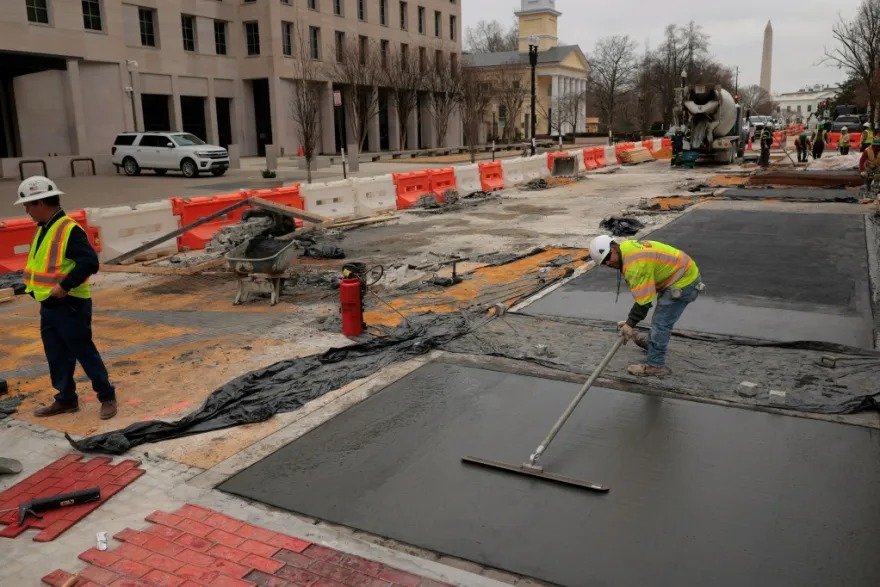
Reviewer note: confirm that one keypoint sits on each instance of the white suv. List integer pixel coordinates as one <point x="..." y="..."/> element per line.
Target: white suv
<point x="163" y="151"/>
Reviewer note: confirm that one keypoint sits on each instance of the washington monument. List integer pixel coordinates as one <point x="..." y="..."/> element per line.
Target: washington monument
<point x="767" y="58"/>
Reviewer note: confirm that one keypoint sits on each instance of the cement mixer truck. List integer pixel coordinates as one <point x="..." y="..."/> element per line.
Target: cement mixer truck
<point x="712" y="122"/>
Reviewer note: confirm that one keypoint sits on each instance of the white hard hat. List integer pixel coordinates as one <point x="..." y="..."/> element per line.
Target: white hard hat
<point x="867" y="125"/>
<point x="600" y="248"/>
<point x="36" y="188"/>
<point x="843" y="129"/>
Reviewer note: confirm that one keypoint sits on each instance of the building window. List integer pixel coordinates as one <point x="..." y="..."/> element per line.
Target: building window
<point x="37" y="11"/>
<point x="798" y="107"/>
<point x="340" y="46"/>
<point x="437" y="20"/>
<point x="438" y="59"/>
<point x="384" y="53"/>
<point x="421" y="20"/>
<point x="423" y="59"/>
<point x="383" y="12"/>
<point x="809" y="107"/>
<point x="404" y="55"/>
<point x="362" y="10"/>
<point x="220" y="37"/>
<point x="363" y="49"/>
<point x="452" y="27"/>
<point x="404" y="20"/>
<point x="188" y="26"/>
<point x="252" y="37"/>
<point x="315" y="42"/>
<point x="287" y="38"/>
<point x="147" y="22"/>
<point x="313" y="4"/>
<point x="92" y="15"/>
<point x="337" y="7"/>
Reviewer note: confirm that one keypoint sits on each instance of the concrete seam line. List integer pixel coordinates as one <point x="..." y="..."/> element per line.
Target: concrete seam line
<point x="534" y="298"/>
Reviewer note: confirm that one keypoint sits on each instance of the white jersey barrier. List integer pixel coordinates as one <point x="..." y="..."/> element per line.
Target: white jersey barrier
<point x="125" y="228"/>
<point x="374" y="195"/>
<point x="658" y="144"/>
<point x="467" y="177"/>
<point x="512" y="170"/>
<point x="579" y="158"/>
<point x="333" y="199"/>
<point x="611" y="156"/>
<point x="535" y="167"/>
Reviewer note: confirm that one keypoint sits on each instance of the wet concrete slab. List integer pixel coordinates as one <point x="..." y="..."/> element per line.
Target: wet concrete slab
<point x="700" y="494"/>
<point x="793" y="194"/>
<point x="770" y="275"/>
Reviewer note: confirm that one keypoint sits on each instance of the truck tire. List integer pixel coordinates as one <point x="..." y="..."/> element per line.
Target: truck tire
<point x="130" y="166"/>
<point x="189" y="168"/>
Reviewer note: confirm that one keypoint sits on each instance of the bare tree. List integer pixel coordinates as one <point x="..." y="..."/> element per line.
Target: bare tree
<point x="757" y="99"/>
<point x="510" y="91"/>
<point x="358" y="67"/>
<point x="613" y="68"/>
<point x="557" y="113"/>
<point x="404" y="78"/>
<point x="858" y="49"/>
<point x="683" y="49"/>
<point x="473" y="104"/>
<point x="574" y="103"/>
<point x="444" y="87"/>
<point x="305" y="103"/>
<point x="490" y="36"/>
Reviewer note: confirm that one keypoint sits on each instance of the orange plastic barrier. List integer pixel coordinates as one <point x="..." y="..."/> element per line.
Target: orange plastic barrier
<point x="649" y="144"/>
<point x="411" y="187"/>
<point x="834" y="140"/>
<point x="17" y="234"/>
<point x="491" y="177"/>
<point x="599" y="155"/>
<point x="442" y="180"/>
<point x="666" y="143"/>
<point x="288" y="196"/>
<point x="191" y="209"/>
<point x="554" y="155"/>
<point x="777" y="140"/>
<point x="590" y="159"/>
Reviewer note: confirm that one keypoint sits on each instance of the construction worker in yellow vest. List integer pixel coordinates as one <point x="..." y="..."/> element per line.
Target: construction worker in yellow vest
<point x="843" y="141"/>
<point x="869" y="164"/>
<point x="656" y="273"/>
<point x="867" y="136"/>
<point x="59" y="264"/>
<point x="820" y="137"/>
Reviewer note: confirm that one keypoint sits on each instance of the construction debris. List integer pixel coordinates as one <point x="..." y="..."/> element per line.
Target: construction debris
<point x="622" y="226"/>
<point x="807" y="178"/>
<point x="636" y="156"/>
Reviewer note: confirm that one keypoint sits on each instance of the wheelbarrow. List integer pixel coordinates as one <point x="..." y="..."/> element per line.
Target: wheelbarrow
<point x="258" y="273"/>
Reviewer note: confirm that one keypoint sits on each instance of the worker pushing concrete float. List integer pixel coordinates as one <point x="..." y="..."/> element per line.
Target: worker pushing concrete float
<point x="656" y="273"/>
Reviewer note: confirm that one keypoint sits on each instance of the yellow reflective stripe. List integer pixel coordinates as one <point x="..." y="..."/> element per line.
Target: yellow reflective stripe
<point x="678" y="274"/>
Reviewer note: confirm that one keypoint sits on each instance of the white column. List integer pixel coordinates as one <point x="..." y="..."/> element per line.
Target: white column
<point x="374" y="139"/>
<point x="328" y="128"/>
<point x="393" y="126"/>
<point x="213" y="128"/>
<point x="412" y="130"/>
<point x="176" y="113"/>
<point x="278" y="118"/>
<point x="554" y="103"/>
<point x="74" y="97"/>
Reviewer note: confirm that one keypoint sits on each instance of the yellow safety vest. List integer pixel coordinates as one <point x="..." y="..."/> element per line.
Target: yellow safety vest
<point x="844" y="140"/>
<point x="650" y="267"/>
<point x="873" y="161"/>
<point x="867" y="137"/>
<point x="47" y="264"/>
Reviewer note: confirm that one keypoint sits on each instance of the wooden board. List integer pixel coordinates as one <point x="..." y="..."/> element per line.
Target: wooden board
<point x="176" y="271"/>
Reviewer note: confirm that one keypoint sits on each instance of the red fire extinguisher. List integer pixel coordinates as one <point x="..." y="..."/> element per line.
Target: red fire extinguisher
<point x="351" y="306"/>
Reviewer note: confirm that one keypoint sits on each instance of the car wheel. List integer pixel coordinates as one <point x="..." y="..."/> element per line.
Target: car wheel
<point x="160" y="171"/>
<point x="218" y="172"/>
<point x="130" y="166"/>
<point x="189" y="168"/>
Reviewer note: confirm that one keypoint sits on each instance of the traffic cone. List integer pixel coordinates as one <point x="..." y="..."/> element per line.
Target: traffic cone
<point x="301" y="152"/>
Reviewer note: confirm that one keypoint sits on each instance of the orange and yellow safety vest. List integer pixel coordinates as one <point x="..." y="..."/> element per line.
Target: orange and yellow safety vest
<point x="47" y="265"/>
<point x="649" y="267"/>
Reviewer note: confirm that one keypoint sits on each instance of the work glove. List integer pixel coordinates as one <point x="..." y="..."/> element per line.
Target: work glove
<point x="626" y="331"/>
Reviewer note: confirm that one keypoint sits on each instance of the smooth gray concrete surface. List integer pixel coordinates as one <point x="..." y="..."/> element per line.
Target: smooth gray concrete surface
<point x="769" y="275"/>
<point x="797" y="194"/>
<point x="700" y="494"/>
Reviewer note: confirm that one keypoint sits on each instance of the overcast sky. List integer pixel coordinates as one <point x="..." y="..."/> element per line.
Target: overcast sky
<point x="736" y="30"/>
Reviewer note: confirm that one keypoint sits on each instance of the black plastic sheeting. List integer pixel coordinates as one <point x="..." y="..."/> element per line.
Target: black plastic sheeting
<point x="13" y="280"/>
<point x="621" y="226"/>
<point x="287" y="385"/>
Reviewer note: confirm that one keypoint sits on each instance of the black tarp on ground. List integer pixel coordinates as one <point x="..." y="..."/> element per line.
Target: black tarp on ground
<point x="700" y="494"/>
<point x="777" y="276"/>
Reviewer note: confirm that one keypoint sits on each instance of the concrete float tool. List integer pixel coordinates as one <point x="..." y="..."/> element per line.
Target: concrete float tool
<point x="531" y="467"/>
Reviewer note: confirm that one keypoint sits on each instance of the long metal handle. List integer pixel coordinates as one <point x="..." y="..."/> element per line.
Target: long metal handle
<point x="568" y="411"/>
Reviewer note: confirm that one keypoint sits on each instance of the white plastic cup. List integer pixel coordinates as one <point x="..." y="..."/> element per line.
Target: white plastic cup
<point x="102" y="541"/>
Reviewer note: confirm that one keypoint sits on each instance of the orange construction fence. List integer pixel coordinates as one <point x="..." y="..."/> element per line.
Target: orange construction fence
<point x="554" y="155"/>
<point x="191" y="209"/>
<point x="442" y="180"/>
<point x="17" y="234"/>
<point x="590" y="159"/>
<point x="411" y="187"/>
<point x="491" y="176"/>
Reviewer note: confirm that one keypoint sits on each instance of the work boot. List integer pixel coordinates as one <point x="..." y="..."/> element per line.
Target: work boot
<point x="54" y="410"/>
<point x="647" y="371"/>
<point x="108" y="409"/>
<point x="641" y="340"/>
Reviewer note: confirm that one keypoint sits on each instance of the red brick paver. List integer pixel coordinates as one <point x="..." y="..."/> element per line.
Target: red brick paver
<point x="198" y="547"/>
<point x="67" y="474"/>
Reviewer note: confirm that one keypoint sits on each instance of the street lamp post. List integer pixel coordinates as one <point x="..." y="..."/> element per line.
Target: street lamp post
<point x="533" y="61"/>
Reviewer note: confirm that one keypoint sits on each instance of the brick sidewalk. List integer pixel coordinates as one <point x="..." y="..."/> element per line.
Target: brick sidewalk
<point x="195" y="546"/>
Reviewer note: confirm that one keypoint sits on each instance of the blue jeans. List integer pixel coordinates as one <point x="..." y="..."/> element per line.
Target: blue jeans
<point x="666" y="314"/>
<point x="66" y="330"/>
